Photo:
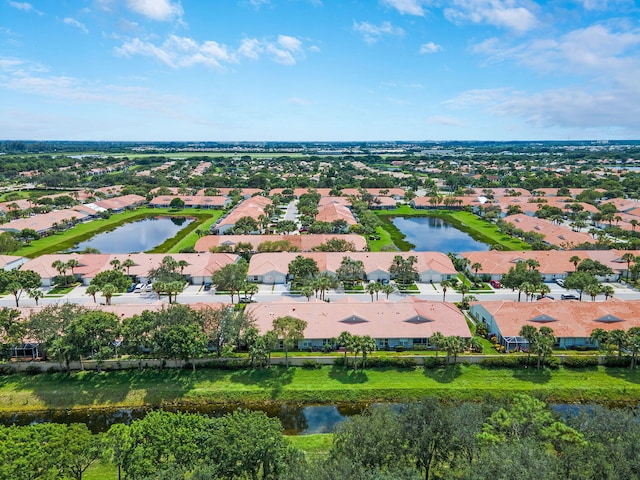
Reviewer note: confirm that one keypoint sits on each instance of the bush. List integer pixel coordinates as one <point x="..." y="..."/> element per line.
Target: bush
<point x="311" y="365"/>
<point x="578" y="361"/>
<point x="227" y="364"/>
<point x="433" y="362"/>
<point x="53" y="369"/>
<point x="397" y="362"/>
<point x="7" y="370"/>
<point x="33" y="370"/>
<point x="617" y="362"/>
<point x="505" y="362"/>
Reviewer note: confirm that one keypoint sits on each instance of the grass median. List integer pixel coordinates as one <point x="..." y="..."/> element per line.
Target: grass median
<point x="329" y="384"/>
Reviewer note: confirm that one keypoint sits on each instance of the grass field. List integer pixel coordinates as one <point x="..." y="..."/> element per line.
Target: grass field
<point x="83" y="231"/>
<point x="325" y="385"/>
<point x="467" y="222"/>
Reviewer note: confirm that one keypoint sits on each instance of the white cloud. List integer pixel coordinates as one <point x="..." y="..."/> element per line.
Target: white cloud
<point x="409" y="7"/>
<point x="25" y="7"/>
<point x="259" y="3"/>
<point x="32" y="79"/>
<point x="430" y="47"/>
<point x="446" y="121"/>
<point x="515" y="15"/>
<point x="289" y="43"/>
<point x="75" y="23"/>
<point x="178" y="52"/>
<point x="372" y="33"/>
<point x="161" y="10"/>
<point x="298" y="101"/>
<point x="476" y="97"/>
<point x="182" y="52"/>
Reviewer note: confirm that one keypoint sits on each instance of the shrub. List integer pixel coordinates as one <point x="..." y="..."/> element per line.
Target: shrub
<point x="504" y="362"/>
<point x="579" y="361"/>
<point x="227" y="364"/>
<point x="397" y="362"/>
<point x="311" y="365"/>
<point x="433" y="362"/>
<point x="7" y="370"/>
<point x="617" y="362"/>
<point x="53" y="369"/>
<point x="33" y="370"/>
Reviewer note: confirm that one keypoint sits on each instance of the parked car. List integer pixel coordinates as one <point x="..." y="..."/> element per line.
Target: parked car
<point x="149" y="287"/>
<point x="495" y="284"/>
<point x="560" y="282"/>
<point x="568" y="297"/>
<point x="131" y="288"/>
<point x="138" y="288"/>
<point x="540" y="297"/>
<point x="207" y="286"/>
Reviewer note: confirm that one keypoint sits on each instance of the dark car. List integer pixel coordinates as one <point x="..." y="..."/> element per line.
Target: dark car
<point x="540" y="297"/>
<point x="131" y="288"/>
<point x="495" y="284"/>
<point x="568" y="297"/>
<point x="207" y="286"/>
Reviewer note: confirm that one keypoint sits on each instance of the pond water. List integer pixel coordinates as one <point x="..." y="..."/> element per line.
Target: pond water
<point x="137" y="236"/>
<point x="296" y="419"/>
<point x="431" y="234"/>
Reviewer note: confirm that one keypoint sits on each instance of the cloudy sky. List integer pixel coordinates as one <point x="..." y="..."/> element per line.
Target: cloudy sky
<point x="225" y="70"/>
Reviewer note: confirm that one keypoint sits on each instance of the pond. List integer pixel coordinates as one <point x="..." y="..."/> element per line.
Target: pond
<point x="432" y="234"/>
<point x="296" y="419"/>
<point x="137" y="236"/>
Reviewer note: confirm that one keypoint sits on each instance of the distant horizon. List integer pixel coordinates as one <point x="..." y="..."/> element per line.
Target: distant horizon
<point x="292" y="71"/>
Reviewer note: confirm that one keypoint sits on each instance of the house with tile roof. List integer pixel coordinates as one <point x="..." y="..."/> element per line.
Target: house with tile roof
<point x="408" y="323"/>
<point x="252" y="207"/>
<point x="302" y="243"/>
<point x="273" y="268"/>
<point x="571" y="321"/>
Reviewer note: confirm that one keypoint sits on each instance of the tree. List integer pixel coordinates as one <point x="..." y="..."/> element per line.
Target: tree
<point x="601" y="336"/>
<point x="167" y="271"/>
<point x="113" y="277"/>
<point x="72" y="263"/>
<point x="108" y="291"/>
<point x="519" y="275"/>
<point x="350" y="272"/>
<point x="290" y="330"/>
<point x="529" y="333"/>
<point x="580" y="281"/>
<point x="286" y="226"/>
<point x="18" y="281"/>
<point x="93" y="290"/>
<point x="176" y="203"/>
<point x="619" y="338"/>
<point x="61" y="267"/>
<point x="445" y="284"/>
<point x="593" y="290"/>
<point x="12" y="330"/>
<point x="224" y="327"/>
<point x="231" y="278"/>
<point x="628" y="257"/>
<point x="335" y="245"/>
<point x="575" y="260"/>
<point x="437" y="341"/>
<point x="245" y="225"/>
<point x="36" y="294"/>
<point x="128" y="263"/>
<point x="92" y="334"/>
<point x="367" y="345"/>
<point x="543" y="344"/>
<point x="302" y="269"/>
<point x="388" y="289"/>
<point x="324" y="282"/>
<point x="344" y="340"/>
<point x="403" y="269"/>
<point x="475" y="267"/>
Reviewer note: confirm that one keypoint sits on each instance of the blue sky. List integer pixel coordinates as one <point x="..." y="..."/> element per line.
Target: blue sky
<point x="326" y="70"/>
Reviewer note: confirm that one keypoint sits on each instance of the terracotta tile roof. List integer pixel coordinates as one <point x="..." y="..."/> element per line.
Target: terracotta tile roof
<point x="381" y="319"/>
<point x="251" y="207"/>
<point x="567" y="318"/>
<point x="553" y="234"/>
<point x="304" y="243"/>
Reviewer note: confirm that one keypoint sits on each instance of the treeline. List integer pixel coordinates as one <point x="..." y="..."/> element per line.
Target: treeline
<point x="424" y="440"/>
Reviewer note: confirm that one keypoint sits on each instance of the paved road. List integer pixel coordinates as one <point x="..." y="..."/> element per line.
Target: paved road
<point x="269" y="293"/>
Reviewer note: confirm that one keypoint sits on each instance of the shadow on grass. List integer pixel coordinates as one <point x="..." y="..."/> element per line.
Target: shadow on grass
<point x="445" y="373"/>
<point x="273" y="379"/>
<point x="89" y="388"/>
<point x="532" y="374"/>
<point x="624" y="373"/>
<point x="347" y="376"/>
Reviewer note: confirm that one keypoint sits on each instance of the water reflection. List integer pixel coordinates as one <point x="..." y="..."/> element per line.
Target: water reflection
<point x="137" y="236"/>
<point x="432" y="234"/>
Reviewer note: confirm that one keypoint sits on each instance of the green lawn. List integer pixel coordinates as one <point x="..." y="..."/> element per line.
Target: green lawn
<point x="190" y="239"/>
<point x="326" y="385"/>
<point x="385" y="242"/>
<point x="83" y="231"/>
<point x="465" y="221"/>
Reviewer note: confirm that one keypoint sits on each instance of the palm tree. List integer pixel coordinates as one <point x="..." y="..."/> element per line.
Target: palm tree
<point x="575" y="260"/>
<point x="108" y="291"/>
<point x="93" y="290"/>
<point x="116" y="264"/>
<point x="72" y="264"/>
<point x="608" y="291"/>
<point x="181" y="264"/>
<point x="544" y="289"/>
<point x="464" y="289"/>
<point x="593" y="290"/>
<point x="371" y="289"/>
<point x="532" y="263"/>
<point x="61" y="267"/>
<point x="444" y="284"/>
<point x="628" y="257"/>
<point x="529" y="333"/>
<point x="128" y="263"/>
<point x="601" y="336"/>
<point x="436" y="340"/>
<point x="36" y="294"/>
<point x="388" y="289"/>
<point x="475" y="267"/>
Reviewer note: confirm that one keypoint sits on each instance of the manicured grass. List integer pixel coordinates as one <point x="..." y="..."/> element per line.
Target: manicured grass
<point x="101" y="471"/>
<point x="467" y="222"/>
<point x="385" y="242"/>
<point x="83" y="231"/>
<point x="190" y="239"/>
<point x="314" y="446"/>
<point x="31" y="193"/>
<point x="325" y="385"/>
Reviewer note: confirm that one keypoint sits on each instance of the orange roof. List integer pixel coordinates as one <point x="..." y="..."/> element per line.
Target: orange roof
<point x="554" y="234"/>
<point x="304" y="243"/>
<point x="567" y="318"/>
<point x="405" y="319"/>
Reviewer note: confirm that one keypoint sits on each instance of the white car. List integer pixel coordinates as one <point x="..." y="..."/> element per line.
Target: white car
<point x="560" y="282"/>
<point x="149" y="287"/>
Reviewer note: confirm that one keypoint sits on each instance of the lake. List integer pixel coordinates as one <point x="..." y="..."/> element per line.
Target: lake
<point x="135" y="237"/>
<point x="432" y="234"/>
